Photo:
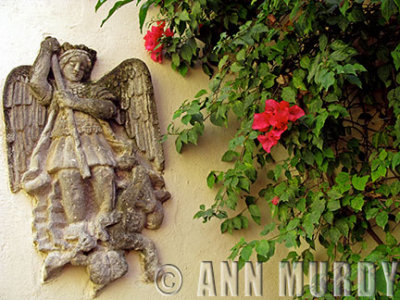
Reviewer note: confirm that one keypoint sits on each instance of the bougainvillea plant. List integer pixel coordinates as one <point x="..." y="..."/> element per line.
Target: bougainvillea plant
<point x="338" y="62"/>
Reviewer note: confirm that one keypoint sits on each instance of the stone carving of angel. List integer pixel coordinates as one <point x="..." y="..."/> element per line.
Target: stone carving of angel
<point x="89" y="154"/>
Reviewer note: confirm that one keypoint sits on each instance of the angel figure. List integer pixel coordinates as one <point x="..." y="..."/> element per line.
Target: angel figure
<point x="89" y="154"/>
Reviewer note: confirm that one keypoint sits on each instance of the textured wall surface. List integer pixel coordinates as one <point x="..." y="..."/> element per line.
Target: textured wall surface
<point x="181" y="240"/>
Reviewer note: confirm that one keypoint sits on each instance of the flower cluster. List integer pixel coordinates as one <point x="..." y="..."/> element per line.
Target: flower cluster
<point x="274" y="121"/>
<point x="152" y="40"/>
<point x="275" y="200"/>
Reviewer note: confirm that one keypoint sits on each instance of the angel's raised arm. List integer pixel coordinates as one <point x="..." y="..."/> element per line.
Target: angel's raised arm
<point x="39" y="85"/>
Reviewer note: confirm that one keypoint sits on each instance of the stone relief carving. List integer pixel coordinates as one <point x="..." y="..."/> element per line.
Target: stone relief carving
<point x="89" y="154"/>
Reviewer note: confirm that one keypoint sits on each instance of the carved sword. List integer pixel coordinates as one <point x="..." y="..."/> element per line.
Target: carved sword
<point x="82" y="163"/>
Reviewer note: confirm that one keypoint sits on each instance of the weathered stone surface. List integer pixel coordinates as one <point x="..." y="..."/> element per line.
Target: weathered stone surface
<point x="89" y="154"/>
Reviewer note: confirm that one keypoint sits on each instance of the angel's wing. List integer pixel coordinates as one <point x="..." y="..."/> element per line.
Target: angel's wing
<point x="131" y="83"/>
<point x="25" y="119"/>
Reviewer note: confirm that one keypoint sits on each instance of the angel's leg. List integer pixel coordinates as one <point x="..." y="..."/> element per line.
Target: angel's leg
<point x="103" y="188"/>
<point x="72" y="195"/>
<point x="103" y="184"/>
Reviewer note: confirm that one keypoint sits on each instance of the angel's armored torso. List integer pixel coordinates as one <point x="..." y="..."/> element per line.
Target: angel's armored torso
<point x="93" y="139"/>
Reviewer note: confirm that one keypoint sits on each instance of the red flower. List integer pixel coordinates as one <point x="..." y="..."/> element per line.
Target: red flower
<point x="295" y="112"/>
<point x="270" y="139"/>
<point x="152" y="40"/>
<point x="274" y="121"/>
<point x="275" y="200"/>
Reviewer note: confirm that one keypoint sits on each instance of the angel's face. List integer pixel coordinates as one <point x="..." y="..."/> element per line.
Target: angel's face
<point x="74" y="70"/>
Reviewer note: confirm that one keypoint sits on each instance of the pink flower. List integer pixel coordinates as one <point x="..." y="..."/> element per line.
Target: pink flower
<point x="270" y="139"/>
<point x="275" y="200"/>
<point x="276" y="114"/>
<point x="274" y="121"/>
<point x="152" y="40"/>
<point x="156" y="56"/>
<point x="295" y="112"/>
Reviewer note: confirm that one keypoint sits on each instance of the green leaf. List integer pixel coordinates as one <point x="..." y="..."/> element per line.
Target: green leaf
<point x="211" y="180"/>
<point x="382" y="219"/>
<point x="263" y="248"/>
<point x="245" y="222"/>
<point x="200" y="93"/>
<point x="388" y="8"/>
<point x="396" y="160"/>
<point x="223" y="61"/>
<point x="246" y="252"/>
<point x="230" y="155"/>
<point x="99" y="3"/>
<point x="390" y="240"/>
<point x="333" y="205"/>
<point x="342" y="54"/>
<point x="320" y="121"/>
<point x="236" y="67"/>
<point x="338" y="45"/>
<point x="357" y="202"/>
<point x="343" y="180"/>
<point x="241" y="55"/>
<point x="380" y="172"/>
<point x="342" y="226"/>
<point x="323" y="41"/>
<point x="143" y="12"/>
<point x="255" y="213"/>
<point x="305" y="62"/>
<point x="354" y="80"/>
<point x="308" y="157"/>
<point x="176" y="59"/>
<point x="116" y="6"/>
<point x="314" y="67"/>
<point x="371" y="213"/>
<point x="244" y="184"/>
<point x="298" y="76"/>
<point x="237" y="223"/>
<point x="207" y="70"/>
<point x="267" y="229"/>
<point x="289" y="94"/>
<point x="344" y="6"/>
<point x="328" y="152"/>
<point x="184" y="16"/>
<point x="359" y="182"/>
<point x="225" y="225"/>
<point x="214" y="84"/>
<point x="178" y="145"/>
<point x="293" y="224"/>
<point x="183" y="69"/>
<point x="327" y="80"/>
<point x="334" y="234"/>
<point x="186" y="52"/>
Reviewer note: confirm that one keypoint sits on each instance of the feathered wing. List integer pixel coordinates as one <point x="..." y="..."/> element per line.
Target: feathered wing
<point x="131" y="83"/>
<point x="25" y="119"/>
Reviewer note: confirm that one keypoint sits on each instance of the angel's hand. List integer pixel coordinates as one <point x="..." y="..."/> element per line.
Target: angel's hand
<point x="65" y="99"/>
<point x="50" y="44"/>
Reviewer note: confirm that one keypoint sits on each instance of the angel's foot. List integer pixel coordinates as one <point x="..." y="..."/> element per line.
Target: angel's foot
<point x="54" y="264"/>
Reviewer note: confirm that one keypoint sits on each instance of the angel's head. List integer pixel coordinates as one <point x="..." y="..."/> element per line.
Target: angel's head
<point x="76" y="62"/>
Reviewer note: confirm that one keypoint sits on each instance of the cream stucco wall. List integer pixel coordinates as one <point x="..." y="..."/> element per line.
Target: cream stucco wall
<point x="181" y="240"/>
